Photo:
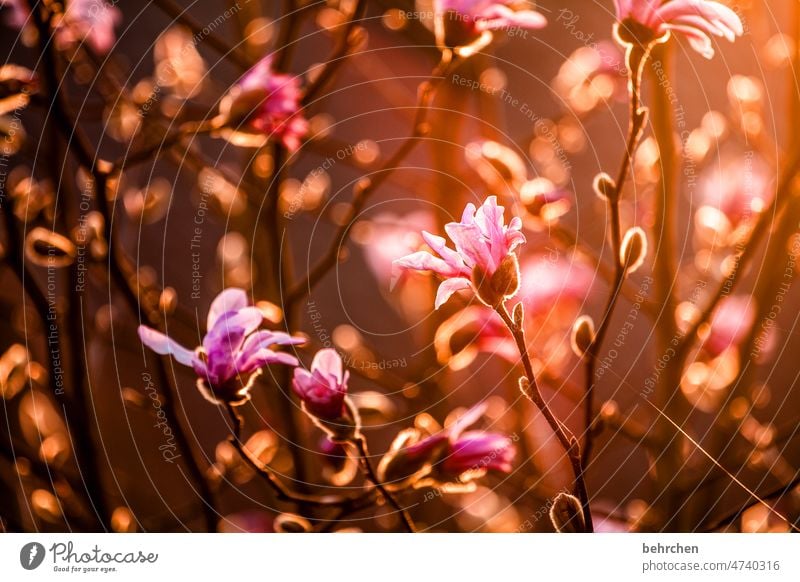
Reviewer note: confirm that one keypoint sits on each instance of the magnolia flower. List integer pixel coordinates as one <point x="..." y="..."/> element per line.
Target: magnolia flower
<point x="452" y="455"/>
<point x="92" y="21"/>
<point x="477" y="450"/>
<point x="482" y="260"/>
<point x="264" y="104"/>
<point x="232" y="353"/>
<point x="463" y="22"/>
<point x="644" y="22"/>
<point x="324" y="388"/>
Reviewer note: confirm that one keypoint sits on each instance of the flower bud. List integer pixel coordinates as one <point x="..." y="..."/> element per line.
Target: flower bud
<point x="502" y="284"/>
<point x="583" y="334"/>
<point x="291" y="523"/>
<point x="567" y="514"/>
<point x="634" y="249"/>
<point x="604" y="186"/>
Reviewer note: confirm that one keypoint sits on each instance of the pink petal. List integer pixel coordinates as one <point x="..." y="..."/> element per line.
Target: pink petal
<point x="329" y="363"/>
<point x="447" y="288"/>
<point x="231" y="299"/>
<point x="162" y="344"/>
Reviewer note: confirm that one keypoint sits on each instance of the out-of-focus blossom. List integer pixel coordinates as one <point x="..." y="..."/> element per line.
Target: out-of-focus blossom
<point x="470" y="23"/>
<point x="323" y="389"/>
<point x="483" y="259"/>
<point x="716" y="363"/>
<point x="232" y="353"/>
<point x="262" y="105"/>
<point x="92" y="21"/>
<point x="553" y="280"/>
<point x="388" y="236"/>
<point x="732" y="195"/>
<point x="732" y="321"/>
<point x="453" y="455"/>
<point x="15" y="13"/>
<point x="592" y="76"/>
<point x="644" y="22"/>
<point x="470" y="331"/>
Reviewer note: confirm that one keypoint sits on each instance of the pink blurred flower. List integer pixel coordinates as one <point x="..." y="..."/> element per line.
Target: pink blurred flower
<point x="266" y="103"/>
<point x="483" y="259"/>
<point x="389" y="236"/>
<point x="732" y="321"/>
<point x="477" y="450"/>
<point x="463" y="20"/>
<point x="551" y="280"/>
<point x="92" y="21"/>
<point x="738" y="189"/>
<point x="323" y="389"/>
<point x="16" y="13"/>
<point x="648" y="21"/>
<point x="232" y="353"/>
<point x="450" y="455"/>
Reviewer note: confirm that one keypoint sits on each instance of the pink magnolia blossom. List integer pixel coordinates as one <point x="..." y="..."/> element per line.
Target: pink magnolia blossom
<point x="449" y="455"/>
<point x="738" y="188"/>
<point x="732" y="321"/>
<point x="323" y="389"/>
<point x="266" y="103"/>
<point x="232" y="353"/>
<point x="548" y="281"/>
<point x="463" y="20"/>
<point x="482" y="260"/>
<point x="648" y="21"/>
<point x="92" y="21"/>
<point x="15" y="13"/>
<point x="478" y="450"/>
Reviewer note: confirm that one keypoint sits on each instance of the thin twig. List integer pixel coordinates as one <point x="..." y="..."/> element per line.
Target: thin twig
<point x="636" y="59"/>
<point x="367" y="186"/>
<point x="361" y="444"/>
<point x="281" y="490"/>
<point x="338" y="56"/>
<point x="565" y="437"/>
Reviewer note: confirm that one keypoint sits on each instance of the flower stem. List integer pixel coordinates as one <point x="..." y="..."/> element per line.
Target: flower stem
<point x="281" y="490"/>
<point x="636" y="58"/>
<point x="361" y="444"/>
<point x="565" y="437"/>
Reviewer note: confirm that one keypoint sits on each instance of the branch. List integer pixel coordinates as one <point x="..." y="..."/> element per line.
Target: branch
<point x="367" y="186"/>
<point x="567" y="440"/>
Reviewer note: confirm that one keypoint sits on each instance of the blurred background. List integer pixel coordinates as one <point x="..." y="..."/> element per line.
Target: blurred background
<point x="97" y="433"/>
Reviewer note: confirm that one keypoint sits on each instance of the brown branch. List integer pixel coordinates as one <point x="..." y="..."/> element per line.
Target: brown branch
<point x="567" y="440"/>
<point x="367" y="186"/>
<point x="636" y="59"/>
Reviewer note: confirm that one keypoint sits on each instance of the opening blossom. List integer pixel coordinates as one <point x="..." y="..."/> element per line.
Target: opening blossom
<point x="264" y="104"/>
<point x="644" y="22"/>
<point x="323" y="392"/>
<point x="232" y="353"/>
<point x="92" y="21"/>
<point x="452" y="455"/>
<point x="482" y="260"/>
<point x="460" y="23"/>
